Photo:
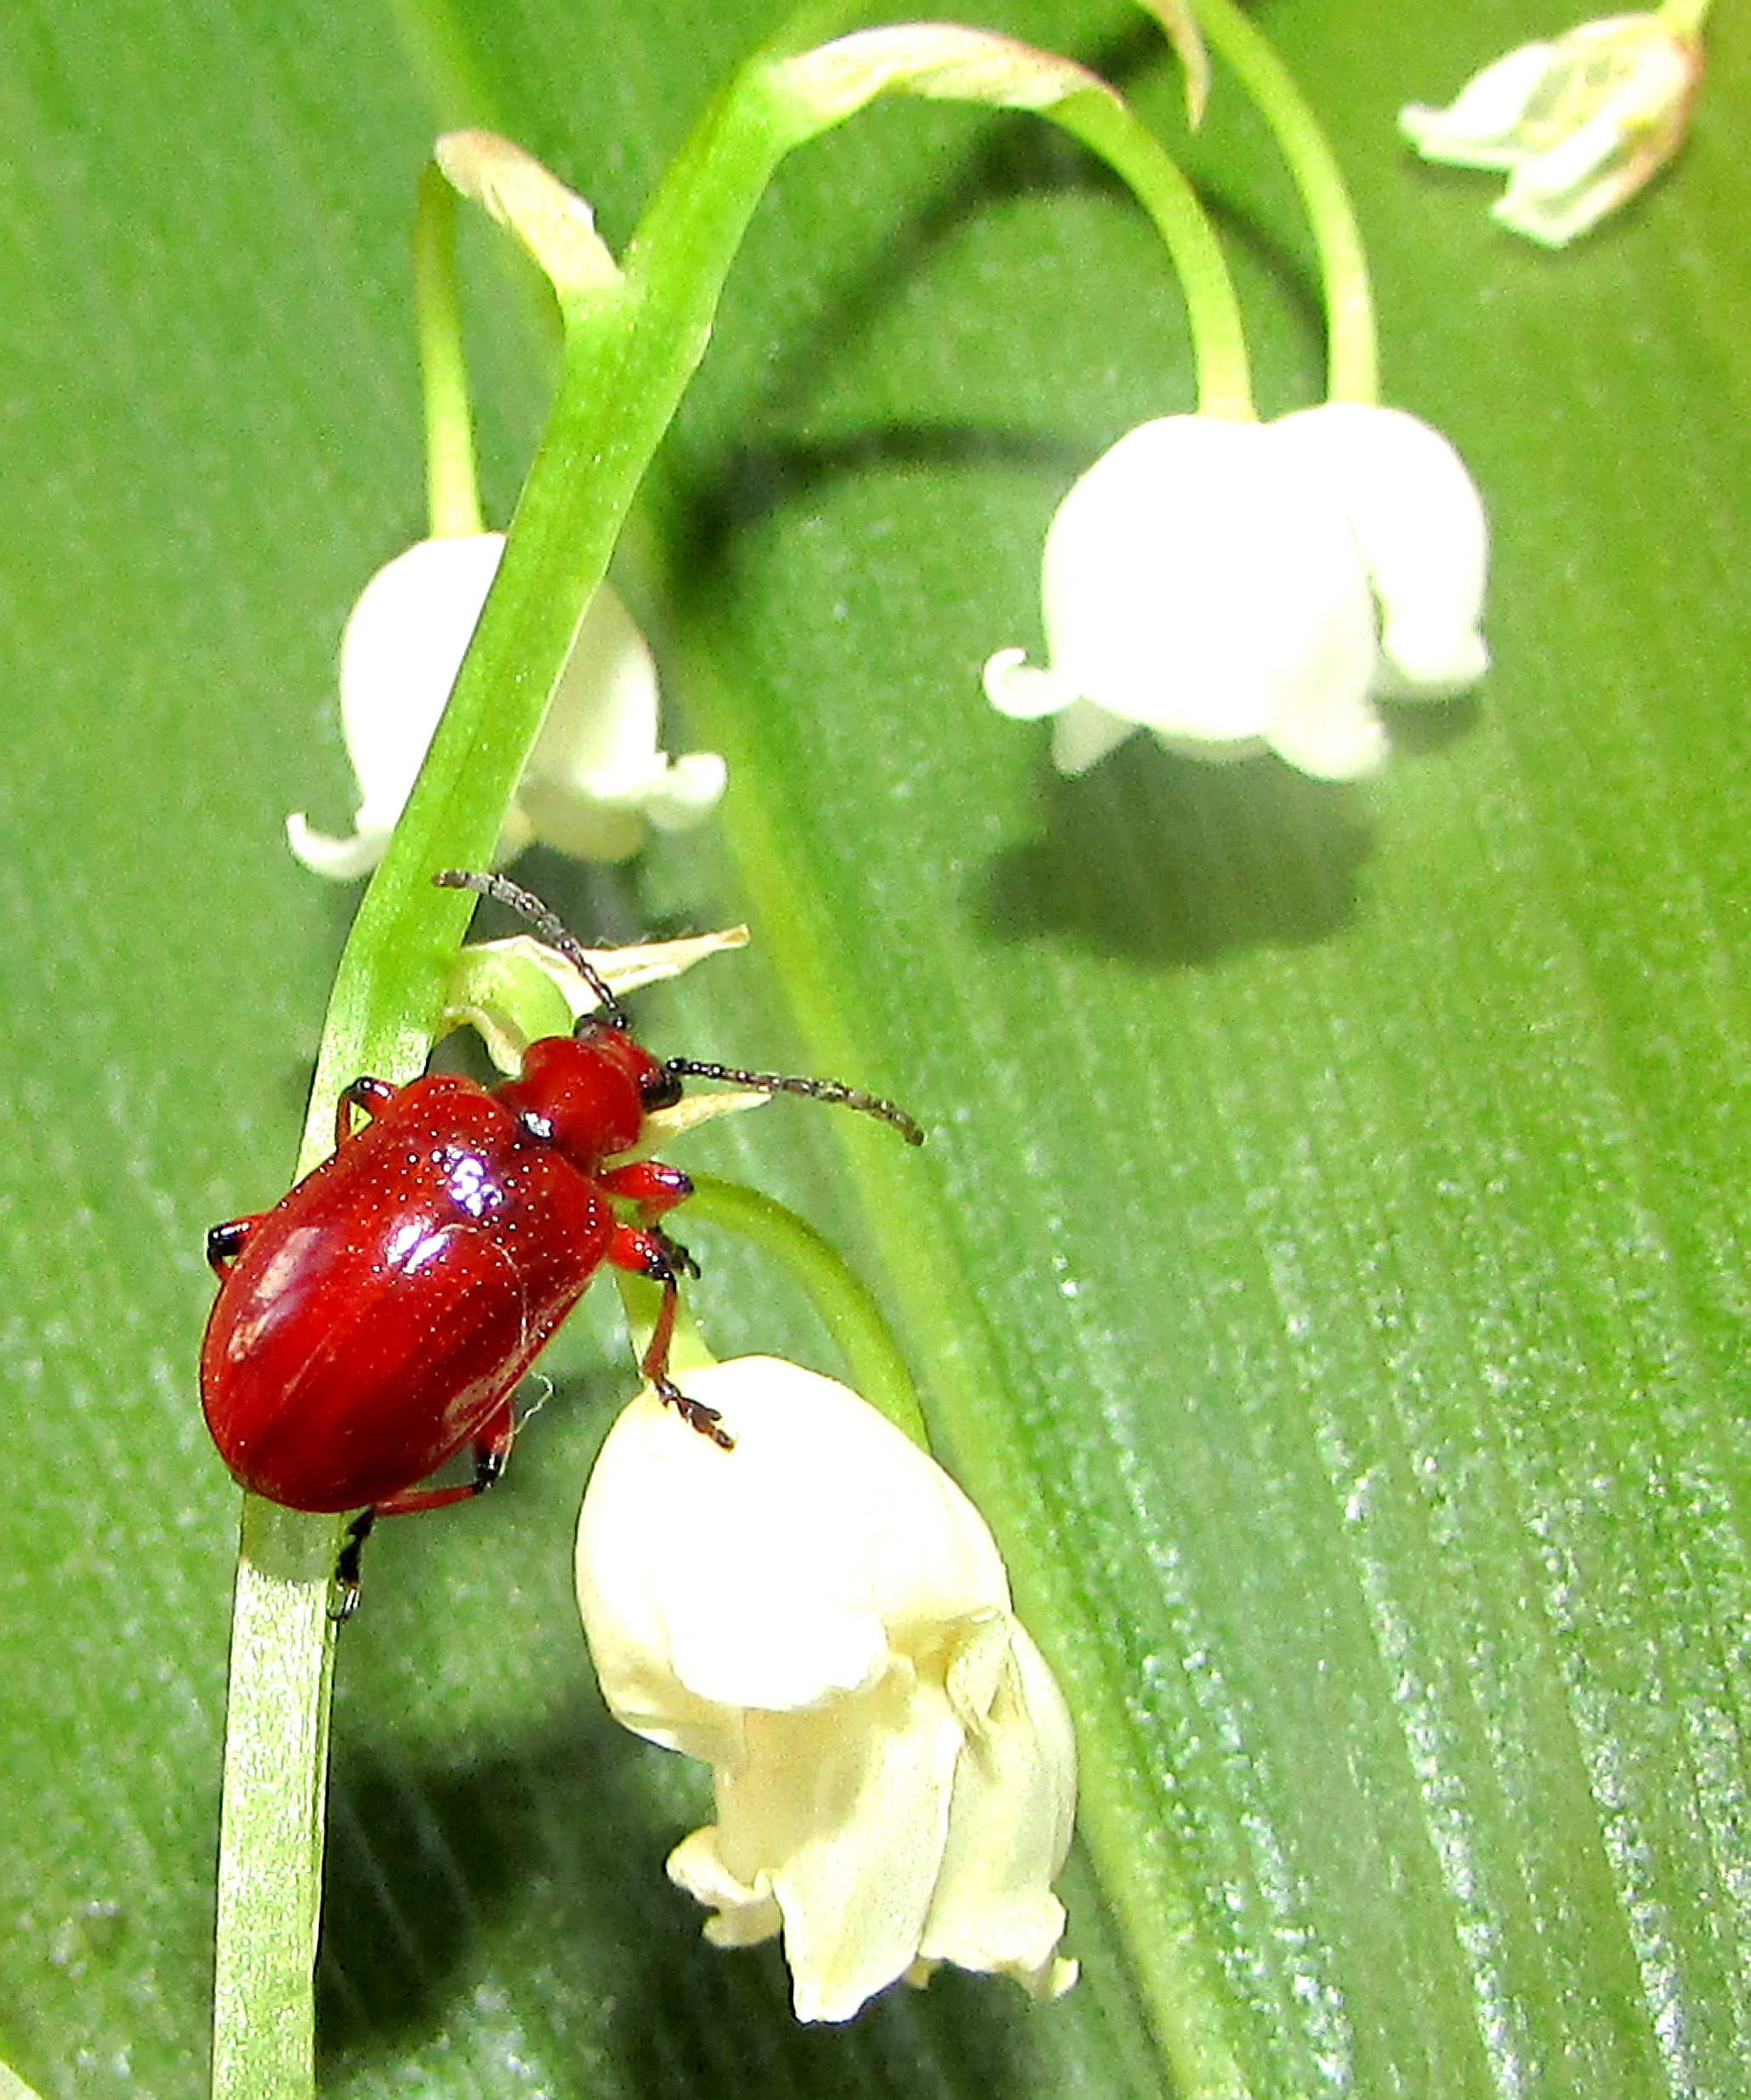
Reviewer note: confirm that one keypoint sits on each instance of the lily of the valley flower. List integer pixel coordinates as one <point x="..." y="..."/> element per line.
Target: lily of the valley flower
<point x="1419" y="530"/>
<point x="820" y="1614"/>
<point x="1578" y="125"/>
<point x="595" y="777"/>
<point x="1236" y="587"/>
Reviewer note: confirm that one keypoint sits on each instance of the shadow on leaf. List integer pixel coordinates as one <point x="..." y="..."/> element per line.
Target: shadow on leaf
<point x="1166" y="860"/>
<point x="517" y="1902"/>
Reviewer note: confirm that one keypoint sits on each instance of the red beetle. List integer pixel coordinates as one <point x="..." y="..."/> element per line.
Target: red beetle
<point x="379" y="1319"/>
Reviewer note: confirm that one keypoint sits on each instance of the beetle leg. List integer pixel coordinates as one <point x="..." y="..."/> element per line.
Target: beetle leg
<point x="655" y="1189"/>
<point x="684" y="1263"/>
<point x="493" y="1447"/>
<point x="346" y="1567"/>
<point x="366" y="1094"/>
<point x="652" y="1254"/>
<point x="224" y="1243"/>
<point x="649" y="1184"/>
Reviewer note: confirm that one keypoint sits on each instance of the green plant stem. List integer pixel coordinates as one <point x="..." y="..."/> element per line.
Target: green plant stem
<point x="1352" y="346"/>
<point x="270" y="1818"/>
<point x="1685" y="17"/>
<point x="874" y="1364"/>
<point x="12" y="2087"/>
<point x="629" y="354"/>
<point x="452" y="484"/>
<point x="1218" y="340"/>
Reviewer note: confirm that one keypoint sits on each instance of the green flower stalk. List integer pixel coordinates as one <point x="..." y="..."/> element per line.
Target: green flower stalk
<point x="1352" y="347"/>
<point x="451" y="481"/>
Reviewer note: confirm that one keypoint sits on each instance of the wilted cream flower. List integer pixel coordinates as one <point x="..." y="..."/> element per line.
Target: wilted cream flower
<point x="820" y="1614"/>
<point x="1236" y="587"/>
<point x="595" y="777"/>
<point x="1578" y="124"/>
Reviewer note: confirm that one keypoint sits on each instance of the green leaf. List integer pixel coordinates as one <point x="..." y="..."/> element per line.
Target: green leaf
<point x="1340" y="1189"/>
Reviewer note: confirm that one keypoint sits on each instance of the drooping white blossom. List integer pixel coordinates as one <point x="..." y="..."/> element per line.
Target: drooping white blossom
<point x="1420" y="529"/>
<point x="1236" y="587"/>
<point x="1578" y="124"/>
<point x="820" y="1614"/>
<point x="596" y="776"/>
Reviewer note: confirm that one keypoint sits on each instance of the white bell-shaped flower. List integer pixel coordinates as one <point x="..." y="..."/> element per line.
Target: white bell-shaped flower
<point x="820" y="1614"/>
<point x="596" y="775"/>
<point x="1236" y="587"/>
<point x="1578" y="124"/>
<point x="1422" y="536"/>
<point x="1201" y="581"/>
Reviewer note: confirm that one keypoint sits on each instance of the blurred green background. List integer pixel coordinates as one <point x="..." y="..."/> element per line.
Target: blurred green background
<point x="1348" y="1182"/>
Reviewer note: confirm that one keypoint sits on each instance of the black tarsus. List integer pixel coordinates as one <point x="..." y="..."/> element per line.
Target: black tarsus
<point x="346" y="1566"/>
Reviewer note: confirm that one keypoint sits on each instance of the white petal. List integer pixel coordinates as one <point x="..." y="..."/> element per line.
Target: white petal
<point x="843" y="1816"/>
<point x="1022" y="690"/>
<point x="575" y="825"/>
<point x="596" y="772"/>
<point x="1010" y="1827"/>
<point x="1328" y="745"/>
<point x="1083" y="734"/>
<point x="1200" y="582"/>
<point x="341" y="859"/>
<point x="601" y="729"/>
<point x="688" y="791"/>
<point x="1420" y="527"/>
<point x="1555" y="196"/>
<point x="1482" y="127"/>
<point x="401" y="648"/>
<point x="746" y="1911"/>
<point x="770" y="1576"/>
<point x="399" y="652"/>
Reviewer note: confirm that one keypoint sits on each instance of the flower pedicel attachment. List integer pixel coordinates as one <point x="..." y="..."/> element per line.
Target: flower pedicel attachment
<point x="1239" y="586"/>
<point x="820" y="1614"/>
<point x="596" y="775"/>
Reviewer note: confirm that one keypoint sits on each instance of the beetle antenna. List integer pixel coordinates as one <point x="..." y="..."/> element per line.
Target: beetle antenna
<point x="547" y="925"/>
<point x="817" y="1089"/>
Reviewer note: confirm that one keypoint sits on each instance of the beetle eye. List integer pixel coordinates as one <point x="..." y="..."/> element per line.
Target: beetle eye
<point x="661" y="1089"/>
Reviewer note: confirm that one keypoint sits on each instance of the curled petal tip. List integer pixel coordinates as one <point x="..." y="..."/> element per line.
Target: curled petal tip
<point x="1022" y="690"/>
<point x="1433" y="664"/>
<point x="688" y="792"/>
<point x="341" y="859"/>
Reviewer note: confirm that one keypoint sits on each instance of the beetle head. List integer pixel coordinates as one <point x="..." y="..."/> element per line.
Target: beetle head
<point x="587" y="1094"/>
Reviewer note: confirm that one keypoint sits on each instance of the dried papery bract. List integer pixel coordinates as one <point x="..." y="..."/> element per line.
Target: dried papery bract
<point x="940" y="61"/>
<point x="511" y="991"/>
<point x="553" y="222"/>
